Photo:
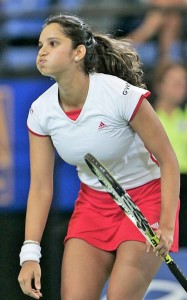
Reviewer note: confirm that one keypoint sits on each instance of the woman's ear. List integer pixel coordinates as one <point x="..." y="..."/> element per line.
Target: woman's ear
<point x="80" y="53"/>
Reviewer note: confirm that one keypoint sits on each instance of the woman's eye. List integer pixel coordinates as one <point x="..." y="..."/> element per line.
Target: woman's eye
<point x="53" y="43"/>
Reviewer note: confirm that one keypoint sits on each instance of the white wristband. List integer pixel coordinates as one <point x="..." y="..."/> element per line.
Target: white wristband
<point x="30" y="252"/>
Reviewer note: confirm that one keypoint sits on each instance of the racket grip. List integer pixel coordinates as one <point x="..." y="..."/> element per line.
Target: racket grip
<point x="155" y="241"/>
<point x="172" y="266"/>
<point x="178" y="274"/>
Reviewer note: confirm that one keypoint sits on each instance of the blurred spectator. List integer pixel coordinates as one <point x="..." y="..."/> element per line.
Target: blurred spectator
<point x="171" y="107"/>
<point x="6" y="159"/>
<point x="71" y="4"/>
<point x="163" y="22"/>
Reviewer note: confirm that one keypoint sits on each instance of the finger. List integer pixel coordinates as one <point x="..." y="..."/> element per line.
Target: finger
<point x="148" y="247"/>
<point x="28" y="290"/>
<point x="159" y="246"/>
<point x="31" y="293"/>
<point x="34" y="294"/>
<point x="163" y="251"/>
<point x="22" y="285"/>
<point x="37" y="293"/>
<point x="158" y="250"/>
<point x="37" y="282"/>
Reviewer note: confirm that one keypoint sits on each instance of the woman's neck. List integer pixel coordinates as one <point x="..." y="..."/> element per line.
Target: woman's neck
<point x="73" y="91"/>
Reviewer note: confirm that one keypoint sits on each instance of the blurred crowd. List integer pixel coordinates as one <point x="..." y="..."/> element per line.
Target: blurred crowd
<point x="6" y="145"/>
<point x="156" y="27"/>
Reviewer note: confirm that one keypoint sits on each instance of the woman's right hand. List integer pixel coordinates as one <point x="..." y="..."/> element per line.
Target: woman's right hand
<point x="30" y="272"/>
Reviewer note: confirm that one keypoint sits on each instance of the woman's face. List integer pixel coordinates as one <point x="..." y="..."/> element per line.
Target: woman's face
<point x="55" y="56"/>
<point x="173" y="87"/>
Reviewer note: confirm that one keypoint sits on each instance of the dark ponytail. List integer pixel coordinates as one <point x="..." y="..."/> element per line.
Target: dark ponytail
<point x="103" y="53"/>
<point x="118" y="58"/>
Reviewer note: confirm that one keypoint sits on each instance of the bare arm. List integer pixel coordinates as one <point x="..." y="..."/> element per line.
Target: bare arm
<point x="41" y="186"/>
<point x="39" y="201"/>
<point x="150" y="130"/>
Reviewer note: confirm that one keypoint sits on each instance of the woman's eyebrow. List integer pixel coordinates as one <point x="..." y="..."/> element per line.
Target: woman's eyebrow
<point x="51" y="38"/>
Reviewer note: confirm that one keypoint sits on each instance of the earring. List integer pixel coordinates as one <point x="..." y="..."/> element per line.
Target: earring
<point x="76" y="58"/>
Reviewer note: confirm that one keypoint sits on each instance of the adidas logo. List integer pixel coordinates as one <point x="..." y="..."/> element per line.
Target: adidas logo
<point x="155" y="226"/>
<point x="102" y="125"/>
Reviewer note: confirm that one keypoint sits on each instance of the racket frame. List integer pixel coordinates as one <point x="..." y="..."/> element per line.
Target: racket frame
<point x="131" y="210"/>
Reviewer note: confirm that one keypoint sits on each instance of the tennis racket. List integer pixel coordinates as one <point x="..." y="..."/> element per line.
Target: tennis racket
<point x="125" y="202"/>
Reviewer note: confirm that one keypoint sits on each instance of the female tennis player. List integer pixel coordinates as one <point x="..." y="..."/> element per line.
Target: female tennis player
<point x="98" y="105"/>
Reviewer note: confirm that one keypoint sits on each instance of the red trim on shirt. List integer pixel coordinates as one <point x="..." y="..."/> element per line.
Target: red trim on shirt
<point x="73" y="114"/>
<point x="152" y="157"/>
<point x="138" y="105"/>
<point x="41" y="135"/>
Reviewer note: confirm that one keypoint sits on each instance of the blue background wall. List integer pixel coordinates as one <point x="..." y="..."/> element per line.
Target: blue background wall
<point x="25" y="91"/>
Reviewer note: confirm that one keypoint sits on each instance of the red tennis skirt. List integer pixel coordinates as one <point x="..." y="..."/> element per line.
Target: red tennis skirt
<point x="99" y="221"/>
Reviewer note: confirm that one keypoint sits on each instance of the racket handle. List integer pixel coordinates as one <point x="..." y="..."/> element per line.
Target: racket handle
<point x="178" y="274"/>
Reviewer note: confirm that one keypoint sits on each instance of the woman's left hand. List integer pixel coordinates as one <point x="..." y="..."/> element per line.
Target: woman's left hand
<point x="165" y="237"/>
